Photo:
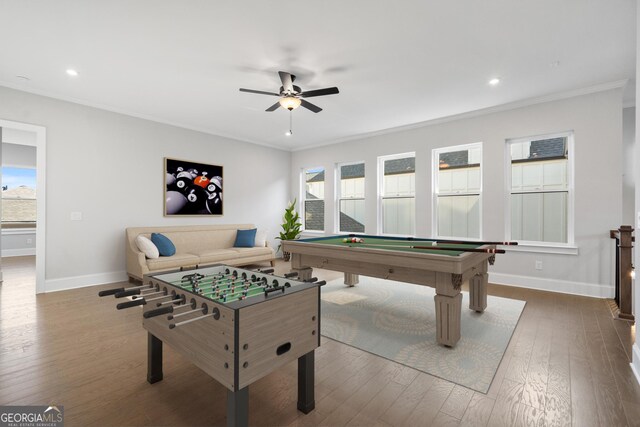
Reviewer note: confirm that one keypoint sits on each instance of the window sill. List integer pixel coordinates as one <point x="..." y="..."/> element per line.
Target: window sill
<point x="12" y="231"/>
<point x="542" y="249"/>
<point x="312" y="233"/>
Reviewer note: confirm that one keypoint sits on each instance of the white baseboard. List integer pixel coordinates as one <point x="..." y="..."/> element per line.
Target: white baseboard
<point x="18" y="252"/>
<point x="635" y="362"/>
<point x="553" y="285"/>
<point x="54" y="285"/>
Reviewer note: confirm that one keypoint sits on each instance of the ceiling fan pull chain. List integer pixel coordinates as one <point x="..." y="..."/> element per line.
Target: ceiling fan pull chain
<point x="291" y="122"/>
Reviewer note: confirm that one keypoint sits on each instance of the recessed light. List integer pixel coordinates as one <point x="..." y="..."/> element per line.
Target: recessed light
<point x="494" y="81"/>
<point x="72" y="72"/>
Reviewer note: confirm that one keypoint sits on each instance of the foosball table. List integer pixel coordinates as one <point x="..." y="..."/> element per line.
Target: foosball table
<point x="236" y="325"/>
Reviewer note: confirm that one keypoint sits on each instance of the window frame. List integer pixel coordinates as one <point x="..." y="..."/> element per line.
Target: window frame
<point x="380" y="197"/>
<point x="338" y="196"/>
<point x="302" y="198"/>
<point x="16" y="225"/>
<point x="533" y="245"/>
<point x="435" y="153"/>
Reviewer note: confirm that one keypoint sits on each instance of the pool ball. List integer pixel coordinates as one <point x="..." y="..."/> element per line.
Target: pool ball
<point x="183" y="183"/>
<point x="202" y="180"/>
<point x="196" y="197"/>
<point x="175" y="201"/>
<point x="214" y="204"/>
<point x="170" y="179"/>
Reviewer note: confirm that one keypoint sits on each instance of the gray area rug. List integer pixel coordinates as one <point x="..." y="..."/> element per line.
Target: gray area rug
<point x="397" y="321"/>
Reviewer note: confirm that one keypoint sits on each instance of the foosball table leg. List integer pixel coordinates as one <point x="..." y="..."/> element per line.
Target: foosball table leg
<point x="238" y="407"/>
<point x="306" y="378"/>
<point x="154" y="359"/>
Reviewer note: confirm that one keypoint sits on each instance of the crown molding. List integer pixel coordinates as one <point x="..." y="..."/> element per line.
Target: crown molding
<point x="475" y="113"/>
<point x="137" y="115"/>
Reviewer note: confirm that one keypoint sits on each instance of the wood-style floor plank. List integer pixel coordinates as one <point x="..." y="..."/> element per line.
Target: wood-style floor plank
<point x="566" y="364"/>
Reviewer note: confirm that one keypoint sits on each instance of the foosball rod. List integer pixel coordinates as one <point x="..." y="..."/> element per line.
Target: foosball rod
<point x="173" y="316"/>
<point x="191" y="279"/>
<point x="114" y="291"/>
<point x="173" y="301"/>
<point x="184" y="322"/>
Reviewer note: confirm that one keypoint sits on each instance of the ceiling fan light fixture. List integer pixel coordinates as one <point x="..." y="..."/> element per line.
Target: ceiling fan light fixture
<point x="290" y="102"/>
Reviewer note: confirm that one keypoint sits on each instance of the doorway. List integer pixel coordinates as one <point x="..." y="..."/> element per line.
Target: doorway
<point x="24" y="144"/>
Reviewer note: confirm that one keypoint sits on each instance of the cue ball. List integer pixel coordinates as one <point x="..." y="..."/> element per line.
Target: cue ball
<point x="175" y="202"/>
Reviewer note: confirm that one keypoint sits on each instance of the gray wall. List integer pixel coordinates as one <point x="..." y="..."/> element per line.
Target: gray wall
<point x="628" y="178"/>
<point x="596" y="120"/>
<point x="110" y="167"/>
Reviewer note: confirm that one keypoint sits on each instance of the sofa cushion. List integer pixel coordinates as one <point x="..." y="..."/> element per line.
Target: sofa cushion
<point x="177" y="260"/>
<point x="261" y="238"/>
<point x="147" y="247"/>
<point x="164" y="244"/>
<point x="245" y="238"/>
<point x="250" y="252"/>
<point x="214" y="256"/>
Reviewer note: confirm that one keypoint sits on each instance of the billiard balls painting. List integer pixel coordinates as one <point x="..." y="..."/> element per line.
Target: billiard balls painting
<point x="192" y="188"/>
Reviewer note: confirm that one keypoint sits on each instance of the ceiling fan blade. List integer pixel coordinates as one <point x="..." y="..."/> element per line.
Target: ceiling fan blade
<point x="287" y="80"/>
<point x="260" y="92"/>
<point x="274" y="107"/>
<point x="320" y="92"/>
<point x="310" y="106"/>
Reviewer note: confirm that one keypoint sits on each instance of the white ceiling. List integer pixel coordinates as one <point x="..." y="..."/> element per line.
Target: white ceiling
<point x="395" y="63"/>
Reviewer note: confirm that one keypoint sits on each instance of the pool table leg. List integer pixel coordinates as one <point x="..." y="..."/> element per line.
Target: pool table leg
<point x="478" y="292"/>
<point x="304" y="273"/>
<point x="351" y="279"/>
<point x="448" y="301"/>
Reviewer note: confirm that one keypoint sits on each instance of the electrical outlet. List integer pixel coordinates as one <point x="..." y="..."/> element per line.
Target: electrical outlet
<point x="29" y="241"/>
<point x="76" y="216"/>
<point x="538" y="265"/>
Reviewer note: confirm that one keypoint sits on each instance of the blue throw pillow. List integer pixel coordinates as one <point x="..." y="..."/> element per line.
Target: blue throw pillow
<point x="164" y="245"/>
<point x="245" y="238"/>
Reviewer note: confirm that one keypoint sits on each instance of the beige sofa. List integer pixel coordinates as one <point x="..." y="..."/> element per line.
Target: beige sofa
<point x="195" y="245"/>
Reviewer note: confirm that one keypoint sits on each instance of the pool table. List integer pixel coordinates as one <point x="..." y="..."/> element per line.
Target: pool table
<point x="393" y="258"/>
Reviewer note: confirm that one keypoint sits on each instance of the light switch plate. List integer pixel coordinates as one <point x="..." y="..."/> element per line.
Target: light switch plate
<point x="76" y="216"/>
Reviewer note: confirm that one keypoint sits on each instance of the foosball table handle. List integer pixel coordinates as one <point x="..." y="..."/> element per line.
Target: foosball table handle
<point x="129" y="304"/>
<point x="274" y="289"/>
<point x="124" y="293"/>
<point x="158" y="312"/>
<point x="110" y="292"/>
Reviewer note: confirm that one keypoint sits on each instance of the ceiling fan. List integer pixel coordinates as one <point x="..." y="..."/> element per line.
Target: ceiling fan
<point x="291" y="95"/>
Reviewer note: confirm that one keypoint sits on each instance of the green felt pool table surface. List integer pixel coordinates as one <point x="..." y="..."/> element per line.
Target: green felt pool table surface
<point x="393" y="243"/>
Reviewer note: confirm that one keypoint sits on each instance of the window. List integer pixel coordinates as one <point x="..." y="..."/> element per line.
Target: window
<point x="350" y="195"/>
<point x="313" y="199"/>
<point x="457" y="185"/>
<point x="540" y="189"/>
<point x="397" y="204"/>
<point x="18" y="195"/>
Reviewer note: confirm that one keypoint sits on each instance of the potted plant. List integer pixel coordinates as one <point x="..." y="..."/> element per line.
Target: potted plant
<point x="290" y="227"/>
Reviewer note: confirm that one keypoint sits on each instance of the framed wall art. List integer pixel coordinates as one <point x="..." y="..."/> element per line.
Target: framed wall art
<point x="192" y="188"/>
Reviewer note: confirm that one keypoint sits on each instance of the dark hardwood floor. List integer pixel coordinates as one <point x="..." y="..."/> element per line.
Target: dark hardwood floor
<point x="567" y="364"/>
